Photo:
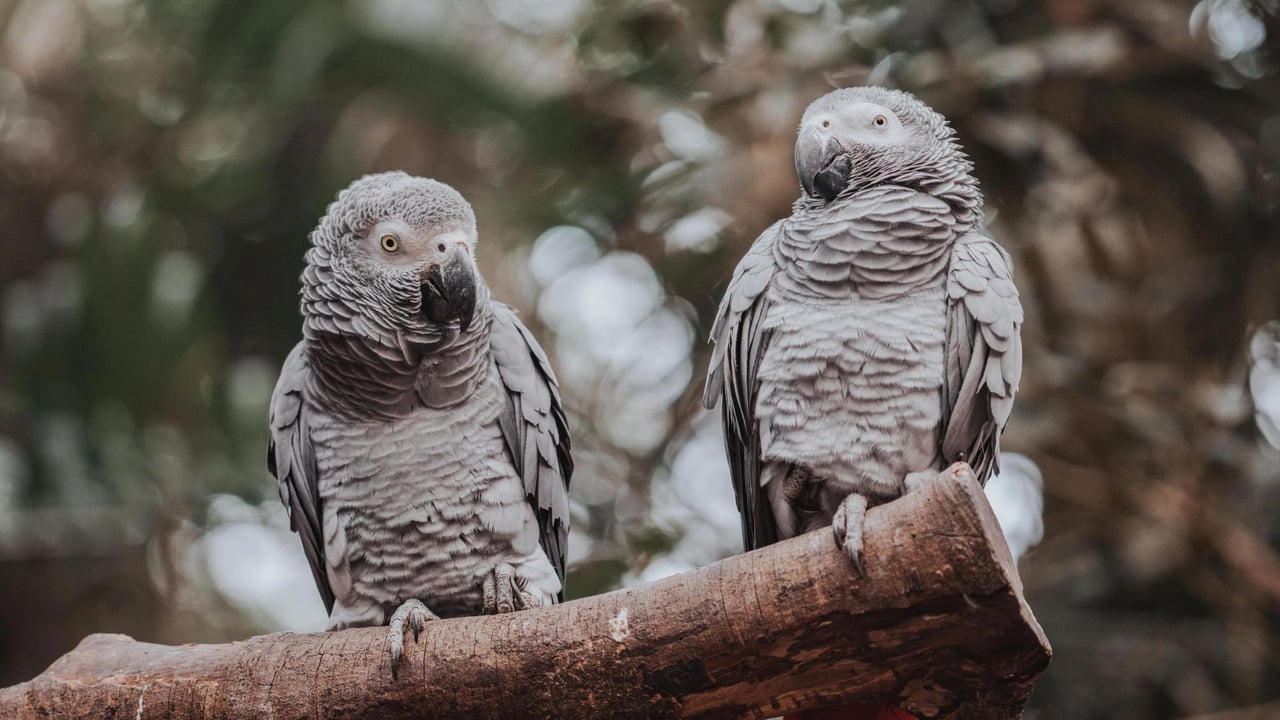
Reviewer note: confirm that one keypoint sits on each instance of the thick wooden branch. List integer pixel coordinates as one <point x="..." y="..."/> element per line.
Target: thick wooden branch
<point x="938" y="626"/>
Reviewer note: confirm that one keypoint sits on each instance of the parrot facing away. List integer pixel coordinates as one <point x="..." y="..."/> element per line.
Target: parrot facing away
<point x="417" y="431"/>
<point x="870" y="341"/>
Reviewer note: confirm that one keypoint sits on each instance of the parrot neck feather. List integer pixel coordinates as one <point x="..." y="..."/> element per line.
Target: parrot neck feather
<point x="364" y="370"/>
<point x="944" y="173"/>
<point x="885" y="241"/>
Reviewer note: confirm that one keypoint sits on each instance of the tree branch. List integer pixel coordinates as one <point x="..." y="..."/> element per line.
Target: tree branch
<point x="938" y="625"/>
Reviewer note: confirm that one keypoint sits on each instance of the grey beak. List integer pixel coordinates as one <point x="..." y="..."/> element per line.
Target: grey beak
<point x="449" y="292"/>
<point x="821" y="164"/>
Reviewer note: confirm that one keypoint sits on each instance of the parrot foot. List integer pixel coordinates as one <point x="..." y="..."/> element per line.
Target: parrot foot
<point x="847" y="526"/>
<point x="414" y="614"/>
<point x="502" y="592"/>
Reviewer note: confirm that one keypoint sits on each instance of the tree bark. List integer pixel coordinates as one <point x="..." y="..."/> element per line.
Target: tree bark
<point x="938" y="626"/>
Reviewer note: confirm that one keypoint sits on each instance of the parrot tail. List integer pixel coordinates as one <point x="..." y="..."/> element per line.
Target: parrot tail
<point x="860" y="711"/>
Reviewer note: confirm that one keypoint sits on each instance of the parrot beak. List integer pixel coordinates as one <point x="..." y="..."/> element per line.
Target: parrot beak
<point x="449" y="291"/>
<point x="822" y="165"/>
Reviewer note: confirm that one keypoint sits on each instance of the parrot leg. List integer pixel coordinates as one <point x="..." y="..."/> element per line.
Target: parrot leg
<point x="799" y="487"/>
<point x="413" y="613"/>
<point x="502" y="593"/>
<point x="847" y="525"/>
<point x="802" y="492"/>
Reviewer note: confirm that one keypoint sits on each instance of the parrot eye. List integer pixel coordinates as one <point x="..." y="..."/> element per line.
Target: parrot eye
<point x="880" y="121"/>
<point x="826" y="123"/>
<point x="390" y="243"/>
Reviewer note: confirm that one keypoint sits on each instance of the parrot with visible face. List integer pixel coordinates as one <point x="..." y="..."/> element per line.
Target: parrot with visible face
<point x="869" y="342"/>
<point x="417" y="431"/>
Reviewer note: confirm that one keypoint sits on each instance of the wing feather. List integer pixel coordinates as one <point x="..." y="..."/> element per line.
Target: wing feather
<point x="535" y="429"/>
<point x="983" y="353"/>
<point x="291" y="459"/>
<point x="740" y="341"/>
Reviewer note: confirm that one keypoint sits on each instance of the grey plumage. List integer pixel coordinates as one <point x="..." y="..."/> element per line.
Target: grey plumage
<point x="870" y="339"/>
<point x="417" y="431"/>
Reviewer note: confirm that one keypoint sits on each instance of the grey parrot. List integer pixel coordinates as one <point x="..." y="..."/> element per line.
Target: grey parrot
<point x="416" y="431"/>
<point x="870" y="341"/>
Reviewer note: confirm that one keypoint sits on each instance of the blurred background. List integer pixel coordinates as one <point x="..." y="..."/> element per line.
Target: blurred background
<point x="161" y="164"/>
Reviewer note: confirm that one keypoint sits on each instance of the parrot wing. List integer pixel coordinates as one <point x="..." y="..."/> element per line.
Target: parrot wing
<point x="740" y="342"/>
<point x="291" y="459"/>
<point x="983" y="353"/>
<point x="535" y="429"/>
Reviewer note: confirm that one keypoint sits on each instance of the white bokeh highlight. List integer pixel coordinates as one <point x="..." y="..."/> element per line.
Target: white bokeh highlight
<point x="1264" y="380"/>
<point x="695" y="500"/>
<point x="256" y="562"/>
<point x="618" y="339"/>
<point x="1232" y="26"/>
<point x="1016" y="495"/>
<point x="687" y="137"/>
<point x="698" y="231"/>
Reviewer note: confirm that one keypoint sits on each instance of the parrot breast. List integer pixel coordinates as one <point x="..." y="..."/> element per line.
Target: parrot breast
<point x="851" y="389"/>
<point x="428" y="504"/>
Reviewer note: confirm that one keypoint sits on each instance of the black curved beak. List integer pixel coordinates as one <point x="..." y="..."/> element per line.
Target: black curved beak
<point x="821" y="164"/>
<point x="449" y="291"/>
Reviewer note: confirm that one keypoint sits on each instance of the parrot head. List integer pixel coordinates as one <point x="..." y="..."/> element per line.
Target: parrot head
<point x="398" y="253"/>
<point x="864" y="136"/>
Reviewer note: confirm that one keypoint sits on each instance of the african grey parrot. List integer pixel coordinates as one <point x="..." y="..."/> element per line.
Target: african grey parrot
<point x="416" y="431"/>
<point x="871" y="339"/>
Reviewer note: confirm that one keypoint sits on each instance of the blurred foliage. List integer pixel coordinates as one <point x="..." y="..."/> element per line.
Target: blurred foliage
<point x="162" y="162"/>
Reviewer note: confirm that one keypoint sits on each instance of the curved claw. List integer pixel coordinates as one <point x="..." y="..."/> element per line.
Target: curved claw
<point x="502" y="591"/>
<point x="846" y="525"/>
<point x="413" y="613"/>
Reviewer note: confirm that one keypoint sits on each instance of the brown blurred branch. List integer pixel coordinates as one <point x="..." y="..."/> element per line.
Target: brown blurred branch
<point x="1257" y="712"/>
<point x="938" y="625"/>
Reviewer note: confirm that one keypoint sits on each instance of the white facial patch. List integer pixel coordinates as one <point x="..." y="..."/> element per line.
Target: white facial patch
<point x="412" y="248"/>
<point x="466" y="238"/>
<point x="864" y="122"/>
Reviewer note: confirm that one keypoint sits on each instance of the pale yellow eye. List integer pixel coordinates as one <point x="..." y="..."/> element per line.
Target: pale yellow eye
<point x="390" y="243"/>
<point x="880" y="121"/>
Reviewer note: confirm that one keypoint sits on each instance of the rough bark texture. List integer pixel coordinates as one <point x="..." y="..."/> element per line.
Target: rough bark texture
<point x="938" y="625"/>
